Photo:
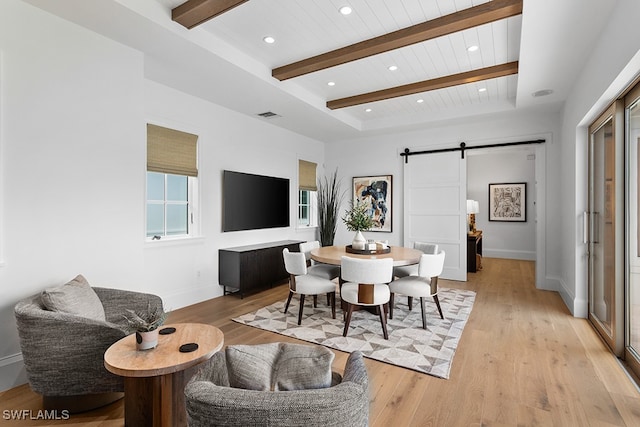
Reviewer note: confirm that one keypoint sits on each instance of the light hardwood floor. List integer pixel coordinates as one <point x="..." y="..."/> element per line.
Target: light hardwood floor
<point x="523" y="360"/>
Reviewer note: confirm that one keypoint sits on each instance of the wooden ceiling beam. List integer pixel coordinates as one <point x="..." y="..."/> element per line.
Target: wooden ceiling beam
<point x="195" y="12"/>
<point x="427" y="85"/>
<point x="468" y="18"/>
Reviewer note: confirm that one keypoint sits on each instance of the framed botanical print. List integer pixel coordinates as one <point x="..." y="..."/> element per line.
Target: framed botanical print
<point x="508" y="202"/>
<point x="375" y="192"/>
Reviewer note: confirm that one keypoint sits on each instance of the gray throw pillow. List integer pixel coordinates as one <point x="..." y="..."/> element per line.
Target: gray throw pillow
<point x="279" y="366"/>
<point x="75" y="297"/>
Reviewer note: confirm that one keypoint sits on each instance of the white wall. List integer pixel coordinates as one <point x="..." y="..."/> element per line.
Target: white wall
<point x="513" y="240"/>
<point x="380" y="155"/>
<point x="73" y="162"/>
<point x="613" y="64"/>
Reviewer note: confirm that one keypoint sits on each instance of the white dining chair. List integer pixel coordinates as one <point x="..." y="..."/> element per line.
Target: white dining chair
<point x="366" y="285"/>
<point x="423" y="285"/>
<point x="302" y="283"/>
<point x="412" y="270"/>
<point x="326" y="271"/>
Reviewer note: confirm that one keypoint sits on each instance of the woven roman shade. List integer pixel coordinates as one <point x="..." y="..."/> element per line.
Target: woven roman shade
<point x="171" y="151"/>
<point x="307" y="175"/>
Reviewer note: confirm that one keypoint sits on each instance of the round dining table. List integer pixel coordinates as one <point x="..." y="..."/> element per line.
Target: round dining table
<point x="333" y="255"/>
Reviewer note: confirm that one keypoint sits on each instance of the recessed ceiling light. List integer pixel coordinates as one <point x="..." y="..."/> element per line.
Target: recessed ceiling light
<point x="393" y="67"/>
<point x="473" y="48"/>
<point x="269" y="39"/>
<point x="543" y="92"/>
<point x="331" y="83"/>
<point x="420" y="101"/>
<point x="367" y="110"/>
<point x="482" y="89"/>
<point x="346" y="10"/>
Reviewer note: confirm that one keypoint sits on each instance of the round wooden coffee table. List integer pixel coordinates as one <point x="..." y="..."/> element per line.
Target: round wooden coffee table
<point x="154" y="379"/>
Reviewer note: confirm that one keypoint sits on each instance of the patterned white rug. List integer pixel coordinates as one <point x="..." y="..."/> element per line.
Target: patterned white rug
<point x="429" y="351"/>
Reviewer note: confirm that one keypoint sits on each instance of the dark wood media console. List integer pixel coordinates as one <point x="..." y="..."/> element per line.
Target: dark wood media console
<point x="253" y="267"/>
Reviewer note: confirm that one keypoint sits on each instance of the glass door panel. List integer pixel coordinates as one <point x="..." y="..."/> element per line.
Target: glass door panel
<point x="632" y="119"/>
<point x="605" y="237"/>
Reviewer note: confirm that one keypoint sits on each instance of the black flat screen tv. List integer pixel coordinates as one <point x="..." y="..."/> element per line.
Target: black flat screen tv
<point x="251" y="202"/>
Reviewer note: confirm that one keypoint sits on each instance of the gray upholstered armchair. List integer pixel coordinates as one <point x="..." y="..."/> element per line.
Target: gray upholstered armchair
<point x="64" y="353"/>
<point x="211" y="401"/>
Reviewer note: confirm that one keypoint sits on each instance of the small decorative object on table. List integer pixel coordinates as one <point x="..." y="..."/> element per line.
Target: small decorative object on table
<point x="375" y="248"/>
<point x="145" y="324"/>
<point x="357" y="219"/>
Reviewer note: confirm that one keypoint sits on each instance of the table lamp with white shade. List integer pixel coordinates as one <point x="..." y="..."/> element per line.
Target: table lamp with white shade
<point x="473" y="207"/>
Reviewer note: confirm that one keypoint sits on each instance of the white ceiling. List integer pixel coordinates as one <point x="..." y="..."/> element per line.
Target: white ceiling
<point x="225" y="60"/>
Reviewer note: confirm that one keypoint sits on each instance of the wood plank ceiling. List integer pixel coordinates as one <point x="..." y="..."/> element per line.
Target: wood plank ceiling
<point x="448" y="24"/>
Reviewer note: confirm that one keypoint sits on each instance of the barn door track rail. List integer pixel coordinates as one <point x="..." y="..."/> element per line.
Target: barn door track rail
<point x="463" y="147"/>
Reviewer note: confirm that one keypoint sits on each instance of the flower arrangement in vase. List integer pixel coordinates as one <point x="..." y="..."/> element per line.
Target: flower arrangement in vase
<point x="357" y="219"/>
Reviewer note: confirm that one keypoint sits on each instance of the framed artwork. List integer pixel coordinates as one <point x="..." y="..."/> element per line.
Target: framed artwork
<point x="375" y="192"/>
<point x="508" y="202"/>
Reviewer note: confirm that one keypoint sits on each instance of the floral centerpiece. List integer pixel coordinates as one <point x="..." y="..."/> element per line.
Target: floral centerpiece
<point x="357" y="219"/>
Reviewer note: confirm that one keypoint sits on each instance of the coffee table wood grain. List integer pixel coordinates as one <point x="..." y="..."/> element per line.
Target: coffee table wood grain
<point x="154" y="379"/>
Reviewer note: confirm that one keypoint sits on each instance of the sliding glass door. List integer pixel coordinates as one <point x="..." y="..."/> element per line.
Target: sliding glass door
<point x="604" y="230"/>
<point x="632" y="131"/>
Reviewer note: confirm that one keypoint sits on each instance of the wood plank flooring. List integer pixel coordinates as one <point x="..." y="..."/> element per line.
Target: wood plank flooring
<point x="523" y="360"/>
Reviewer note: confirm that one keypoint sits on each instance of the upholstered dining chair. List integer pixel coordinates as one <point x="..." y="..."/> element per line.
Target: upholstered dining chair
<point x="421" y="286"/>
<point x="366" y="285"/>
<point x="326" y="271"/>
<point x="412" y="270"/>
<point x="302" y="283"/>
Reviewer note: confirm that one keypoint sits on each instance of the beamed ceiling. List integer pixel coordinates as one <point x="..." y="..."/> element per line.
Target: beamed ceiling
<point x="214" y="49"/>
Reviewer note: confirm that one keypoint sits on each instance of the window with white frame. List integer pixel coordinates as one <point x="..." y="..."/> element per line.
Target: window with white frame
<point x="170" y="204"/>
<point x="172" y="179"/>
<point x="307" y="208"/>
<point x="307" y="194"/>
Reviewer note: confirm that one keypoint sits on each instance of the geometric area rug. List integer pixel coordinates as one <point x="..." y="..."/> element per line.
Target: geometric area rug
<point x="428" y="351"/>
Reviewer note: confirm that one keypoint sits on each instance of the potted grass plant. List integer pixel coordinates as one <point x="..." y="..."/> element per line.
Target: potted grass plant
<point x="329" y="200"/>
<point x="145" y="324"/>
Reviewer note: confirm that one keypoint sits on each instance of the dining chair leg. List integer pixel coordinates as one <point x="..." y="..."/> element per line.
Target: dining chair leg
<point x="437" y="301"/>
<point x="347" y="319"/>
<point x="329" y="298"/>
<point x="424" y="316"/>
<point x="332" y="297"/>
<point x="391" y="302"/>
<point x="315" y="301"/>
<point x="410" y="303"/>
<point x="286" y="307"/>
<point x="383" y="321"/>
<point x="301" y="307"/>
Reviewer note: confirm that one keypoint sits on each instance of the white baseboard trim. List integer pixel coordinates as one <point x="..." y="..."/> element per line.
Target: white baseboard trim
<point x="549" y="284"/>
<point x="12" y="372"/>
<point x="509" y="254"/>
<point x="181" y="299"/>
<point x="577" y="307"/>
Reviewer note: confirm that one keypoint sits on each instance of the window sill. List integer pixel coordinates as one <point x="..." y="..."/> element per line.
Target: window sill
<point x="306" y="227"/>
<point x="173" y="241"/>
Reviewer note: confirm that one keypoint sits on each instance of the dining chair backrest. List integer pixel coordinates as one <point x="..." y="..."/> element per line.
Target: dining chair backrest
<point x="294" y="262"/>
<point x="372" y="271"/>
<point x="307" y="247"/>
<point x="427" y="248"/>
<point x="431" y="265"/>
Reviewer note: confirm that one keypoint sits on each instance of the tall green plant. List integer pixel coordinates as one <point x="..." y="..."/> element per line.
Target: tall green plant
<point x="329" y="200"/>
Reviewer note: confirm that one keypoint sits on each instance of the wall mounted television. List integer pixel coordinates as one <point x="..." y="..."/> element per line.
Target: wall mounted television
<point x="251" y="202"/>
